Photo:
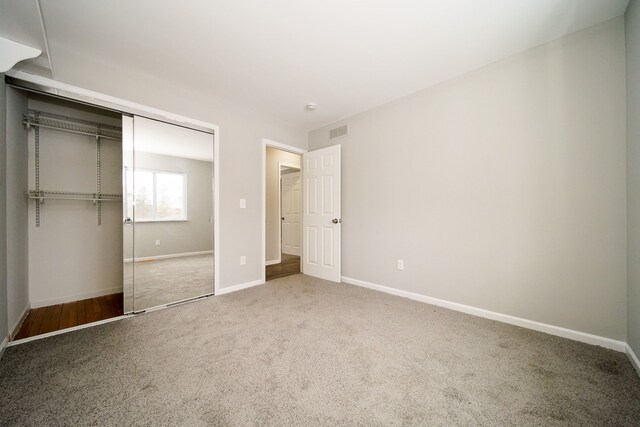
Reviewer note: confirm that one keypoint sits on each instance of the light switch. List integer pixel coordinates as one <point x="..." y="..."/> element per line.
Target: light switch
<point x="243" y="203"/>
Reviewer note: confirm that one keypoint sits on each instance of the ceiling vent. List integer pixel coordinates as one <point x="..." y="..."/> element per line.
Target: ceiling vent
<point x="338" y="132"/>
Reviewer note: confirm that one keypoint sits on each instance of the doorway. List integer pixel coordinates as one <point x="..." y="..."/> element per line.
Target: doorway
<point x="283" y="212"/>
<point x="320" y="219"/>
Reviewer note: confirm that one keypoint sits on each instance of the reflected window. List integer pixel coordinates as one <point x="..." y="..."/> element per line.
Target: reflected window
<point x="158" y="195"/>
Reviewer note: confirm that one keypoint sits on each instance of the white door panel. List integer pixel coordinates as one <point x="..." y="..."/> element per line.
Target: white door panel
<point x="291" y="218"/>
<point x="321" y="213"/>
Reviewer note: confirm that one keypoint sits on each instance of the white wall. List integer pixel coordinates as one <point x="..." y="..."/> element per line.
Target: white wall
<point x="502" y="189"/>
<point x="632" y="26"/>
<point x="241" y="134"/>
<point x="17" y="210"/>
<point x="4" y="328"/>
<point x="272" y="198"/>
<point x="70" y="256"/>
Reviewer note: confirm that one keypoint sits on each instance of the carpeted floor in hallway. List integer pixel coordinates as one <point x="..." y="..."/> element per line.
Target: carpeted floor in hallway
<point x="302" y="351"/>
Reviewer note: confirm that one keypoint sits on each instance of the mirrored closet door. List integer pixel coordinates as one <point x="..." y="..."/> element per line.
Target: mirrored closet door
<point x="167" y="213"/>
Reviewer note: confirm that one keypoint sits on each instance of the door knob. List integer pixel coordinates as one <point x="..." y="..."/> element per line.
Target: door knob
<point x="336" y="221"/>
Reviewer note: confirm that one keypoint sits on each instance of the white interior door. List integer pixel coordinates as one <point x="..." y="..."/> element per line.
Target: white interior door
<point x="291" y="213"/>
<point x="321" y="213"/>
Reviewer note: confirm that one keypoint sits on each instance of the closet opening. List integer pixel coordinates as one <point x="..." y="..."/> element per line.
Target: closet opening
<point x="64" y="185"/>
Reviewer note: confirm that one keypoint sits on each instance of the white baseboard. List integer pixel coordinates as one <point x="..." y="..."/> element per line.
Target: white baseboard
<point x="3" y="346"/>
<point x="75" y="297"/>
<point x="272" y="262"/>
<point x="633" y="358"/>
<point x="13" y="329"/>
<point x="239" y="287"/>
<point x="180" y="255"/>
<point x="505" y="318"/>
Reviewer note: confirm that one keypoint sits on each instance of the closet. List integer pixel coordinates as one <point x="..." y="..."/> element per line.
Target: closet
<point x="109" y="213"/>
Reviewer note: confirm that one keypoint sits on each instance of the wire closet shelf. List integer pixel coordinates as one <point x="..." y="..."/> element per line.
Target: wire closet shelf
<point x="36" y="120"/>
<point x="42" y="195"/>
<point x="68" y="124"/>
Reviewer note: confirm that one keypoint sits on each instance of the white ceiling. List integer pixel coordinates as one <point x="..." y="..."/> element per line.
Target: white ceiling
<point x="20" y="21"/>
<point x="276" y="56"/>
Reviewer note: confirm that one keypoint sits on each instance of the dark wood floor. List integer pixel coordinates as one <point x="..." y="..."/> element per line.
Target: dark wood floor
<point x="290" y="265"/>
<point x="62" y="316"/>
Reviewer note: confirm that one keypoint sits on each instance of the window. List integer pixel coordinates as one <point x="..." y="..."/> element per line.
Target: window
<point x="159" y="196"/>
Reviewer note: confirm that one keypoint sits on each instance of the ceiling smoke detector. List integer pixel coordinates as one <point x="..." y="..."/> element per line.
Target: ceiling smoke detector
<point x="311" y="106"/>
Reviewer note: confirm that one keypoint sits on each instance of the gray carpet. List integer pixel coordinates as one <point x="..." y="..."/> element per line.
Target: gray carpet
<point x="302" y="351"/>
<point x="168" y="280"/>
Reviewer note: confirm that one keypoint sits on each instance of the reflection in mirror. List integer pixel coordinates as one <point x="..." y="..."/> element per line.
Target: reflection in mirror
<point x="170" y="200"/>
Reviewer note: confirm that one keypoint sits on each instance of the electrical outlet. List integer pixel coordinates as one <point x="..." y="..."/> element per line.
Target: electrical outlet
<point x="243" y="203"/>
<point x="400" y="264"/>
<point x="243" y="260"/>
<point x="158" y="242"/>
